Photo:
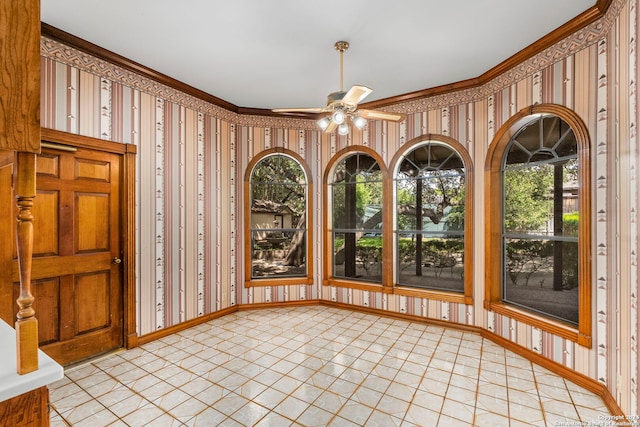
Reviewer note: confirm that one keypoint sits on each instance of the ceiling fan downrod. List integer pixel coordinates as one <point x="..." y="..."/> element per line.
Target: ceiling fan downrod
<point x="341" y="47"/>
<point x="342" y="106"/>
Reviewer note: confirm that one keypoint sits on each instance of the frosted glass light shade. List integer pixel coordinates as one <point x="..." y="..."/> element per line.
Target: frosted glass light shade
<point x="359" y="122"/>
<point x="323" y="123"/>
<point x="338" y="117"/>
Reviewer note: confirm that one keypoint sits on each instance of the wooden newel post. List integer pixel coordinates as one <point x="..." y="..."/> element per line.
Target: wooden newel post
<point x="27" y="324"/>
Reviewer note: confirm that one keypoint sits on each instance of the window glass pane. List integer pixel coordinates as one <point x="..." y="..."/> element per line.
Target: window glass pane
<point x="356" y="196"/>
<point x="543" y="139"/>
<point x="361" y="165"/>
<point x="541" y="197"/>
<point x="540" y="216"/>
<point x="436" y="199"/>
<point x="278" y="218"/>
<point x="358" y="256"/>
<point x="357" y="205"/>
<point x="558" y="136"/>
<point x="279" y="200"/>
<point x="527" y="201"/>
<point x="431" y="262"/>
<point x="567" y="146"/>
<point x="542" y="275"/>
<point x="430" y="197"/>
<point x="431" y="157"/>
<point x="272" y="254"/>
<point x="278" y="169"/>
<point x="517" y="154"/>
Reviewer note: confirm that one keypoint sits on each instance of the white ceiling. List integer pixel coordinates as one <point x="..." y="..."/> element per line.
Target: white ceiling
<point x="280" y="53"/>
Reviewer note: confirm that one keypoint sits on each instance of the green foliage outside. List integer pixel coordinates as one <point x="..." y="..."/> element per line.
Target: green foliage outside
<point x="526" y="198"/>
<point x="570" y="224"/>
<point x="280" y="179"/>
<point x="367" y="193"/>
<point x="437" y="252"/>
<point x="528" y="209"/>
<point x="363" y="243"/>
<point x="443" y="199"/>
<point x="526" y="257"/>
<point x="455" y="219"/>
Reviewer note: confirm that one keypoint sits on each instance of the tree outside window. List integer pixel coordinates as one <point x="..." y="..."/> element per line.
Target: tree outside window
<point x="356" y="200"/>
<point x="430" y="218"/>
<point x="278" y="225"/>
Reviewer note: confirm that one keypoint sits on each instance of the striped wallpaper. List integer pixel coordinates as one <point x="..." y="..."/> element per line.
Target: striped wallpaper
<point x="192" y="158"/>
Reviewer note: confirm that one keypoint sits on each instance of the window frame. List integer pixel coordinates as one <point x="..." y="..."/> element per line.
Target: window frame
<point x="494" y="271"/>
<point x="249" y="281"/>
<point x="465" y="297"/>
<point x="386" y="284"/>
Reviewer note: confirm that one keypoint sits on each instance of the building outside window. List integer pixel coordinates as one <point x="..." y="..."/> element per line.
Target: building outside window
<point x="278" y="223"/>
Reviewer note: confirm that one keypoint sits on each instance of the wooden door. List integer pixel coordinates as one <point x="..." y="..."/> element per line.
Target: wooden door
<point x="76" y="274"/>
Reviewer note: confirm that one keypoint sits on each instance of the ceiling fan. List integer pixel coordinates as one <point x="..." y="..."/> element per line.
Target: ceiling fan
<point x="343" y="106"/>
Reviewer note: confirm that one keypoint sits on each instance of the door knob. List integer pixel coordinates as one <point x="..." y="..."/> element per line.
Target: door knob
<point x="116" y="260"/>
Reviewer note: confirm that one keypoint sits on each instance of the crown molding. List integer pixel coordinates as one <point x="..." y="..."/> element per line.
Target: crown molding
<point x="584" y="29"/>
<point x="98" y="52"/>
<point x="577" y="24"/>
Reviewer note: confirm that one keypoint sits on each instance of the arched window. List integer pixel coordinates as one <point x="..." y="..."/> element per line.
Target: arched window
<point x="277" y="232"/>
<point x="540" y="221"/>
<point x="433" y="216"/>
<point x="355" y="192"/>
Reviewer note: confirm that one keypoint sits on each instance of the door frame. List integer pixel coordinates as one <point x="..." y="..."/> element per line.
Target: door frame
<point x="128" y="153"/>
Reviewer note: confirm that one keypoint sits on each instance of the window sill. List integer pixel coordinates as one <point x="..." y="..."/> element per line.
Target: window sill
<point x="454" y="297"/>
<point x="554" y="327"/>
<point x="399" y="290"/>
<point x="364" y="286"/>
<point x="274" y="281"/>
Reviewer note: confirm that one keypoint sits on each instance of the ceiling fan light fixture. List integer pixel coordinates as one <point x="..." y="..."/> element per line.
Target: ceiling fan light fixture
<point x="359" y="122"/>
<point x="342" y="106"/>
<point x="338" y="117"/>
<point x="323" y="123"/>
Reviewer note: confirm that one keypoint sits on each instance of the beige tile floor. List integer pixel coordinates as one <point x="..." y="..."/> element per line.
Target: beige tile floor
<point x="318" y="366"/>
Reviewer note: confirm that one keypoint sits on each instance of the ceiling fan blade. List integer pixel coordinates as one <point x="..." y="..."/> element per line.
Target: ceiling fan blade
<point x="356" y="94"/>
<point x="381" y="115"/>
<point x="331" y="127"/>
<point x="298" y="110"/>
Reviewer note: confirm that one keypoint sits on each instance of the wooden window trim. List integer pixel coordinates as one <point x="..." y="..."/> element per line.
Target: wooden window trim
<point x="466" y="297"/>
<point x="275" y="281"/>
<point x="386" y="284"/>
<point x="493" y="231"/>
<point x="354" y="284"/>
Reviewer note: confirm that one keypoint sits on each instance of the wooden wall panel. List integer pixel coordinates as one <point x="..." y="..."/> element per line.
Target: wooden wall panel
<point x="48" y="314"/>
<point x="93" y="234"/>
<point x="46" y="223"/>
<point x="93" y="287"/>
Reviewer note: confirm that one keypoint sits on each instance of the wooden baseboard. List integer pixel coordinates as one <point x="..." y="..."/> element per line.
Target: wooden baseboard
<point x="304" y="303"/>
<point x="131" y="341"/>
<point x="403" y="316"/>
<point x="582" y="380"/>
<point x="143" y="339"/>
